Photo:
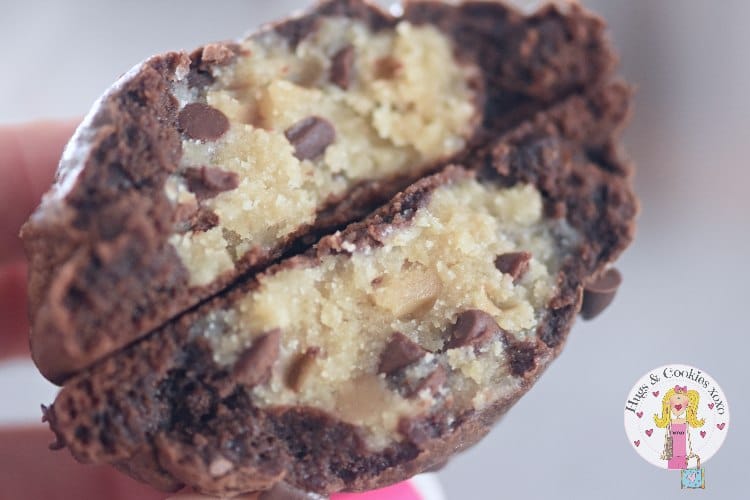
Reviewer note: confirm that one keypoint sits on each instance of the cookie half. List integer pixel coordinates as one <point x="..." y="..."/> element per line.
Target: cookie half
<point x="387" y="347"/>
<point x="197" y="168"/>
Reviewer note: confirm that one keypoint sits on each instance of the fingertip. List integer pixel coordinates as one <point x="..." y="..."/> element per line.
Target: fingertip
<point x="196" y="496"/>
<point x="34" y="147"/>
<point x="29" y="154"/>
<point x="14" y="322"/>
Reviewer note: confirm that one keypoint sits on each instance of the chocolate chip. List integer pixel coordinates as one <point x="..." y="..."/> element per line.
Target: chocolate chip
<point x="387" y="68"/>
<point x="473" y="327"/>
<point x="513" y="263"/>
<point x="300" y="369"/>
<point x="207" y="182"/>
<point x="191" y="217"/>
<point x="400" y="352"/>
<point x="342" y="65"/>
<point x="598" y="294"/>
<point x="204" y="59"/>
<point x="204" y="220"/>
<point x="310" y="137"/>
<point x="254" y="365"/>
<point x="202" y="122"/>
<point x="298" y="30"/>
<point x="521" y="357"/>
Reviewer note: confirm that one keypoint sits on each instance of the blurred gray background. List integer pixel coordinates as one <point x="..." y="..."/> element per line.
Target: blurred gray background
<point x="685" y="293"/>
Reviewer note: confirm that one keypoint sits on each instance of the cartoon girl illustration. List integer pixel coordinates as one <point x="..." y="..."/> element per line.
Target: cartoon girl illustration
<point x="679" y="412"/>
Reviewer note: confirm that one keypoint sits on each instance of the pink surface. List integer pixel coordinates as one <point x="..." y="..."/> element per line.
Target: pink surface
<point x="400" y="491"/>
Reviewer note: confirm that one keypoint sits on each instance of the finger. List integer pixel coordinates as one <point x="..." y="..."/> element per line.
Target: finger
<point x="195" y="496"/>
<point x="399" y="491"/>
<point x="14" y="322"/>
<point x="29" y="154"/>
<point x="405" y="490"/>
<point x="28" y="469"/>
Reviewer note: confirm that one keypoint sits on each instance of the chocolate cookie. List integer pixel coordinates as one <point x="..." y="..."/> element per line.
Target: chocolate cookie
<point x="388" y="346"/>
<point x="195" y="169"/>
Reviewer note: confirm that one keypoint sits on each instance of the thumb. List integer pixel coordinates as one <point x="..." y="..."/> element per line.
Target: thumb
<point x="423" y="487"/>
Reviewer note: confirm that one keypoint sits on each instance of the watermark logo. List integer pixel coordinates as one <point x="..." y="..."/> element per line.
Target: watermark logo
<point x="677" y="417"/>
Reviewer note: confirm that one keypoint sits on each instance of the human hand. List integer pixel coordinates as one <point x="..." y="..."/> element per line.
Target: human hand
<point x="420" y="488"/>
<point x="28" y="157"/>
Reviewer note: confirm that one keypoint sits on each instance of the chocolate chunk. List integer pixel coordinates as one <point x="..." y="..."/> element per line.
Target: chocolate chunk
<point x="310" y="137"/>
<point x="254" y="365"/>
<point x="300" y="369"/>
<point x="400" y="352"/>
<point x="207" y="182"/>
<point x="202" y="122"/>
<point x="342" y="65"/>
<point x="473" y="327"/>
<point x="387" y="68"/>
<point x="598" y="294"/>
<point x="513" y="263"/>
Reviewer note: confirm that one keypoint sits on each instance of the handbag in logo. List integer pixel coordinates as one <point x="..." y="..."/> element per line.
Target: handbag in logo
<point x="693" y="478"/>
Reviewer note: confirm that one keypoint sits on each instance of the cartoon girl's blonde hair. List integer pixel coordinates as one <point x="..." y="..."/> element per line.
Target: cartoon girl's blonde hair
<point x="691" y="412"/>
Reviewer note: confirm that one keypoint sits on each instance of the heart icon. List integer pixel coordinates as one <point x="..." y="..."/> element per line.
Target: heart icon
<point x="640" y="414"/>
<point x="678" y="407"/>
<point x="703" y="434"/>
<point x="721" y="426"/>
<point x="649" y="432"/>
<point x="656" y="394"/>
<point x="637" y="443"/>
<point x="691" y="477"/>
<point x="710" y="406"/>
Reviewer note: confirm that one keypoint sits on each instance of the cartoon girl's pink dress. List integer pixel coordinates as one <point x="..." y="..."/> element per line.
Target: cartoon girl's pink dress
<point x="679" y="446"/>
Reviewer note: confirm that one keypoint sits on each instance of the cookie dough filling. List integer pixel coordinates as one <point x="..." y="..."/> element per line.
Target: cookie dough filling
<point x="423" y="323"/>
<point x="284" y="130"/>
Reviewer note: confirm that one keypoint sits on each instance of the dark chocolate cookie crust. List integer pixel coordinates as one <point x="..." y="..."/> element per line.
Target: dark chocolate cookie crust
<point x="101" y="271"/>
<point x="163" y="411"/>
